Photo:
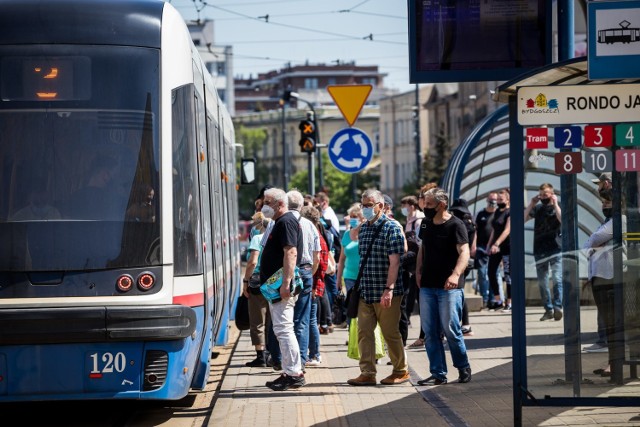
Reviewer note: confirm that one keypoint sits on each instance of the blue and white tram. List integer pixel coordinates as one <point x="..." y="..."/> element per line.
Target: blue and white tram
<point x="119" y="258"/>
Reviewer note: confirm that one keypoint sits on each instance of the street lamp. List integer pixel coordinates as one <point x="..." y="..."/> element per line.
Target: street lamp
<point x="296" y="95"/>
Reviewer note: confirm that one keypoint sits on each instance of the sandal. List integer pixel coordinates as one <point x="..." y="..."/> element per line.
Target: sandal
<point x="419" y="343"/>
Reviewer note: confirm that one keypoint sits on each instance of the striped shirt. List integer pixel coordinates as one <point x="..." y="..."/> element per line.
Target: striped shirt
<point x="389" y="241"/>
<point x="310" y="238"/>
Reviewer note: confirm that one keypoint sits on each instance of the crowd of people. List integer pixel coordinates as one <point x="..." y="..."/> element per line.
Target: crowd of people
<point x="391" y="266"/>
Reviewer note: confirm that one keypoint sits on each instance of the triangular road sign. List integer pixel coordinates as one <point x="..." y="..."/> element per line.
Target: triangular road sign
<point x="350" y="99"/>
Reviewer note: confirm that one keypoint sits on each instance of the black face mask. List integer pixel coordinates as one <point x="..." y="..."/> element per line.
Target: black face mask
<point x="545" y="201"/>
<point x="502" y="205"/>
<point x="606" y="194"/>
<point x="430" y="213"/>
<point x="492" y="204"/>
<point x="607" y="212"/>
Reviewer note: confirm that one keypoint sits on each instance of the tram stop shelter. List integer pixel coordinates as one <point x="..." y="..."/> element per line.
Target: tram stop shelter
<point x="590" y="128"/>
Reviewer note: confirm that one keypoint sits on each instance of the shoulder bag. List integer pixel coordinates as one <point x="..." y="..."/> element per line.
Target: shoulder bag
<point x="353" y="296"/>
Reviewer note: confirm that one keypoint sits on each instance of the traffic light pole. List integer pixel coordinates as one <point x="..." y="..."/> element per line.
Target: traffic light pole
<point x="311" y="171"/>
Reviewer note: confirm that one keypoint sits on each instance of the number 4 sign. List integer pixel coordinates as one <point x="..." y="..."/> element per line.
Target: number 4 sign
<point x="568" y="163"/>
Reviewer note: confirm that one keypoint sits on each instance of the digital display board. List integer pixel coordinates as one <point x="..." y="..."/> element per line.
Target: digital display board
<point x="477" y="40"/>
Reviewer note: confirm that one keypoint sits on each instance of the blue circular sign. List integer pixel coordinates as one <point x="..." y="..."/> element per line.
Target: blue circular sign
<point x="350" y="150"/>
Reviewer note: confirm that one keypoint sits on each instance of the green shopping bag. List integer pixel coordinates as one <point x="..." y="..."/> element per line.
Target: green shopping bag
<point x="352" y="350"/>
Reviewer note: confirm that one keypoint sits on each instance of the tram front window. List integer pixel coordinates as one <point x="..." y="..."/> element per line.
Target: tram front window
<point x="76" y="174"/>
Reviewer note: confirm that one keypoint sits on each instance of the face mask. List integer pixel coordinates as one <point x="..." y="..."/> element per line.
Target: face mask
<point x="492" y="204"/>
<point x="268" y="212"/>
<point x="607" y="212"/>
<point x="430" y="213"/>
<point x="354" y="222"/>
<point x="606" y="194"/>
<point x="368" y="213"/>
<point x="405" y="211"/>
<point x="545" y="201"/>
<point x="502" y="205"/>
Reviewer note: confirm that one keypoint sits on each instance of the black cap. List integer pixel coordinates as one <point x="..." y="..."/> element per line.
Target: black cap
<point x="388" y="200"/>
<point x="262" y="190"/>
<point x="460" y="205"/>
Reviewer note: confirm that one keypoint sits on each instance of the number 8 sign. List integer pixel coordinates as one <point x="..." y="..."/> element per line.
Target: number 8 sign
<point x="568" y="163"/>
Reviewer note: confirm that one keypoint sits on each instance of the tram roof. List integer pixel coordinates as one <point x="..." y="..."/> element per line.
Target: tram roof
<point x="570" y="72"/>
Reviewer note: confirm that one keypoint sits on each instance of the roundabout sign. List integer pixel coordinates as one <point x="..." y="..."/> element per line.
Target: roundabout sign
<point x="350" y="150"/>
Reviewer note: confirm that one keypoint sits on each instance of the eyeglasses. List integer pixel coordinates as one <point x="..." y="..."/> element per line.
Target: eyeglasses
<point x="268" y="202"/>
<point x="368" y="205"/>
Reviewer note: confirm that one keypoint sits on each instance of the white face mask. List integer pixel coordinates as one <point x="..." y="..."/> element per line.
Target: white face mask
<point x="268" y="211"/>
<point x="368" y="213"/>
<point x="405" y="211"/>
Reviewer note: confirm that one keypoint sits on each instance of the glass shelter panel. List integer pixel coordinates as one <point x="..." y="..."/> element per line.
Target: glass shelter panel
<point x="582" y="304"/>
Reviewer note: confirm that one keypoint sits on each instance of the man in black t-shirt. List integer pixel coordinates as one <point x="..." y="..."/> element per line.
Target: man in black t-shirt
<point x="283" y="249"/>
<point x="545" y="210"/>
<point x="481" y="254"/>
<point x="440" y="265"/>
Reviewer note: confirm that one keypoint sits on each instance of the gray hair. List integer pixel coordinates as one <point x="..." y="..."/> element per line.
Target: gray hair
<point x="375" y="195"/>
<point x="278" y="195"/>
<point x="296" y="200"/>
<point x="438" y="194"/>
<point x="355" y="209"/>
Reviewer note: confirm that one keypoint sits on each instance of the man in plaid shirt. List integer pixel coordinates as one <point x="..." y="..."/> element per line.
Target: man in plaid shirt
<point x="381" y="291"/>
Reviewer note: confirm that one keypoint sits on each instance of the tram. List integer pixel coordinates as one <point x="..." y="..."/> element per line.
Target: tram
<point x="119" y="256"/>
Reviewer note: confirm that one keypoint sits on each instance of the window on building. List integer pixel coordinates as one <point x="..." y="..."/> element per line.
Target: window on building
<point x="311" y="83"/>
<point x="369" y="81"/>
<point x="385" y="142"/>
<point x="331" y="81"/>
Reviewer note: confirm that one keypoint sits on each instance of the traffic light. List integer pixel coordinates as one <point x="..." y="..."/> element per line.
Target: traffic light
<point x="307" y="136"/>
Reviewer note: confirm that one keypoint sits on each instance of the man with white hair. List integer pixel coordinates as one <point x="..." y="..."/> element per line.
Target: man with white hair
<point x="283" y="250"/>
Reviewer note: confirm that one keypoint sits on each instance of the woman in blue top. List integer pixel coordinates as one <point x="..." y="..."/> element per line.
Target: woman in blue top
<point x="349" y="262"/>
<point x="258" y="305"/>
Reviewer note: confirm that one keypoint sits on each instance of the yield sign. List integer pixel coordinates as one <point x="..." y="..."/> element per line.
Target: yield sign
<point x="350" y="99"/>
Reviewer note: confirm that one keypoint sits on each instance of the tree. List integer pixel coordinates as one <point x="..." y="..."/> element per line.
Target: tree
<point x="252" y="140"/>
<point x="436" y="163"/>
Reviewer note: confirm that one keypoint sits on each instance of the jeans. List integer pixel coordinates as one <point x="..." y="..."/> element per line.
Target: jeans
<point x="282" y="320"/>
<point x="440" y="311"/>
<point x="331" y="288"/>
<point x="545" y="264"/>
<point x="482" y="263"/>
<point x="302" y="313"/>
<point x="314" y="333"/>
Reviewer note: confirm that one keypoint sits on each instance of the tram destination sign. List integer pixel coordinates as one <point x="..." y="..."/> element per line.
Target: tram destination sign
<point x="558" y="105"/>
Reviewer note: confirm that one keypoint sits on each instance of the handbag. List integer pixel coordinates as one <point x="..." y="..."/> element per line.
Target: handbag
<point x="353" y="351"/>
<point x="353" y="296"/>
<point x="271" y="288"/>
<point x="242" y="313"/>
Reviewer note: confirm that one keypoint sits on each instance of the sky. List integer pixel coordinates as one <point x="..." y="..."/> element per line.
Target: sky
<point x="268" y="34"/>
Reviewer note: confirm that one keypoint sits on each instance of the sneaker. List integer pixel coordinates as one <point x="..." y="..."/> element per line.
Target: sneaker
<point x="362" y="380"/>
<point x="433" y="381"/>
<point x="507" y="308"/>
<point x="277" y="366"/>
<point x="596" y="348"/>
<point x="495" y="305"/>
<point x="548" y="315"/>
<point x="465" y="375"/>
<point x="557" y="314"/>
<point x="286" y="382"/>
<point x="466" y="331"/>
<point x="258" y="362"/>
<point x="313" y="362"/>
<point x="394" y="379"/>
<point x="342" y="325"/>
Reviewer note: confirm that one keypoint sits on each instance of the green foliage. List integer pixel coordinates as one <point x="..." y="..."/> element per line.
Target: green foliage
<point x="338" y="185"/>
<point x="436" y="164"/>
<point x="252" y="140"/>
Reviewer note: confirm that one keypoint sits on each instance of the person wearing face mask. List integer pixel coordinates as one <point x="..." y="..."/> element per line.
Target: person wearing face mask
<point x="599" y="250"/>
<point x="381" y="243"/>
<point x="411" y="210"/>
<point x="442" y="260"/>
<point x="547" y="247"/>
<point x="481" y="253"/>
<point x="500" y="250"/>
<point x="349" y="260"/>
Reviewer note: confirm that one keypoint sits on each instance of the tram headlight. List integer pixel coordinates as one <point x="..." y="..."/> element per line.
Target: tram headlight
<point x="124" y="283"/>
<point x="146" y="280"/>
